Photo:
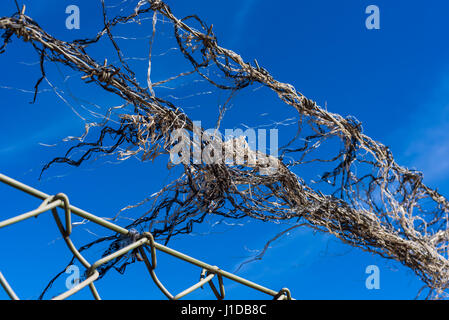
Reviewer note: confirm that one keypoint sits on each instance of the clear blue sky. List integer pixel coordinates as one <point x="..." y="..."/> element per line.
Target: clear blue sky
<point x="395" y="80"/>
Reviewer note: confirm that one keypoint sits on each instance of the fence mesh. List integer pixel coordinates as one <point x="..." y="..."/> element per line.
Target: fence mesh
<point x="140" y="245"/>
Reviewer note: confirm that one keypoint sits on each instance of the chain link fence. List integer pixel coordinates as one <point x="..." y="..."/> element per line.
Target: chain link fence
<point x="51" y="203"/>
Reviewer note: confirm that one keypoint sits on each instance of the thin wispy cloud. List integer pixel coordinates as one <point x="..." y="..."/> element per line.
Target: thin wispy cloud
<point x="427" y="149"/>
<point x="240" y="19"/>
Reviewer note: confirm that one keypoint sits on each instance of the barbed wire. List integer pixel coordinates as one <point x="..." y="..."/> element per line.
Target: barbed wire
<point x="371" y="203"/>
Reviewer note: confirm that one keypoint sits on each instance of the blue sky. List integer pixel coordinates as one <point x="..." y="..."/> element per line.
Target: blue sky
<point x="395" y="80"/>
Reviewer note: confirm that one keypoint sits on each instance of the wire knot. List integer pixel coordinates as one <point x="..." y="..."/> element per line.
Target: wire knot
<point x="156" y="5"/>
<point x="134" y="236"/>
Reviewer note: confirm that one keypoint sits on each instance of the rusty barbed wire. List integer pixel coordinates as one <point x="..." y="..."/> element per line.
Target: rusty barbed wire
<point x="371" y="202"/>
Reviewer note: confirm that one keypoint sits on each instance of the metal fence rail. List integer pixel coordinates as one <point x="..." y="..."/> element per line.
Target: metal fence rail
<point x="52" y="203"/>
